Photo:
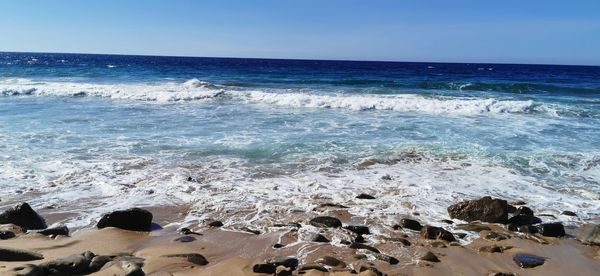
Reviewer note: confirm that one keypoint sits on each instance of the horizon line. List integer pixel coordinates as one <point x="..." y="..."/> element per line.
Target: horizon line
<point x="299" y="59"/>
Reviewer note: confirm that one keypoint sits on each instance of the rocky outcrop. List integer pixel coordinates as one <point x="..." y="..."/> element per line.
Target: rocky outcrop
<point x="326" y="222"/>
<point x="24" y="216"/>
<point x="410" y="224"/>
<point x="134" y="219"/>
<point x="484" y="209"/>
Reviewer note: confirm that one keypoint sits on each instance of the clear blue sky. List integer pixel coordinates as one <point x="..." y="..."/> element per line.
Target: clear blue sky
<point x="524" y="31"/>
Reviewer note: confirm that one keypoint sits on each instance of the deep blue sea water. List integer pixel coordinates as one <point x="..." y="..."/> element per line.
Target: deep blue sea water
<point x="89" y="133"/>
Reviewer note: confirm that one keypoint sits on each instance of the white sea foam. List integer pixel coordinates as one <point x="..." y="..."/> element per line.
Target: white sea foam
<point x="400" y="103"/>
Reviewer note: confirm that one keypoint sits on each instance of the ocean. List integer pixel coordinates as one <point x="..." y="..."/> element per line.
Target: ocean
<point x="254" y="141"/>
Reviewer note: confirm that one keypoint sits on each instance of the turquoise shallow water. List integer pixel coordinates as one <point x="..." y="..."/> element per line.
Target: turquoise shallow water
<point x="83" y="130"/>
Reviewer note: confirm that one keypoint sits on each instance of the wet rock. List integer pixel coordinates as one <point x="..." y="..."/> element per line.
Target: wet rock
<point x="460" y="235"/>
<point x="76" y="264"/>
<point x="5" y="235"/>
<point x="216" y="223"/>
<point x="326" y="206"/>
<point x="359" y="230"/>
<point x="187" y="231"/>
<point x="386" y="258"/>
<point x="330" y="261"/>
<point x="185" y="239"/>
<point x="307" y="267"/>
<point x="512" y="227"/>
<point x="495" y="236"/>
<point x="524" y="211"/>
<point x="386" y="177"/>
<point x="568" y="213"/>
<point x="24" y="216"/>
<point x="485" y="209"/>
<point x="134" y="219"/>
<point x="360" y="239"/>
<point x="491" y="249"/>
<point x="502" y="274"/>
<point x="355" y="245"/>
<point x="319" y="238"/>
<point x="427" y="256"/>
<point x="436" y="233"/>
<point x="28" y="270"/>
<point x="132" y="268"/>
<point x="284" y="261"/>
<point x="447" y="221"/>
<point x="98" y="262"/>
<point x="528" y="260"/>
<point x="511" y="209"/>
<point x="410" y="224"/>
<point x="325" y="222"/>
<point x="524" y="220"/>
<point x="8" y="254"/>
<point x="278" y="245"/>
<point x="552" y="229"/>
<point x="528" y="229"/>
<point x="56" y="231"/>
<point x="253" y="231"/>
<point x="365" y="196"/>
<point x="264" y="268"/>
<point x="473" y="227"/>
<point x="593" y="238"/>
<point x="194" y="258"/>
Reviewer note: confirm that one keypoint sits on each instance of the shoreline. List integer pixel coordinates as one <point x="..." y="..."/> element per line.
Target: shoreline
<point x="355" y="247"/>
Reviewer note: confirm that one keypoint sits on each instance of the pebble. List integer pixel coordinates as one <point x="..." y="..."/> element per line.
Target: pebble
<point x="528" y="260"/>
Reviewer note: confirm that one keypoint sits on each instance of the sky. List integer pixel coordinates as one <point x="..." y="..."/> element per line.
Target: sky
<point x="506" y="31"/>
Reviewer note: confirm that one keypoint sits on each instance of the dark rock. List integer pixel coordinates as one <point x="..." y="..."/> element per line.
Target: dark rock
<point x="56" y="231"/>
<point x="524" y="220"/>
<point x="365" y="196"/>
<point x="253" y="231"/>
<point x="5" y="235"/>
<point x="552" y="229"/>
<point x="495" y="236"/>
<point x="410" y="224"/>
<point x="216" y="223"/>
<point x="427" y="256"/>
<point x="474" y="227"/>
<point x="360" y="230"/>
<point x="528" y="229"/>
<point x="278" y="245"/>
<point x="460" y="235"/>
<point x="185" y="239"/>
<point x="187" y="231"/>
<point x="98" y="262"/>
<point x="386" y="258"/>
<point x="264" y="268"/>
<point x="359" y="239"/>
<point x="355" y="245"/>
<point x="524" y="211"/>
<point x="284" y="261"/>
<point x="386" y="177"/>
<point x="528" y="260"/>
<point x="76" y="264"/>
<point x="502" y="274"/>
<point x="372" y="269"/>
<point x="320" y="238"/>
<point x="485" y="209"/>
<point x="312" y="267"/>
<point x="436" y="233"/>
<point x="325" y="222"/>
<point x="23" y="215"/>
<point x="491" y="249"/>
<point x="569" y="213"/>
<point x="194" y="258"/>
<point x="593" y="238"/>
<point x="331" y="261"/>
<point x="134" y="219"/>
<point x="512" y="227"/>
<point x="29" y="270"/>
<point x="511" y="209"/>
<point x="447" y="221"/>
<point x="8" y="254"/>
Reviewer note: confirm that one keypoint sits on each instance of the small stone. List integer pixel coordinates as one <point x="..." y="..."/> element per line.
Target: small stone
<point x="24" y="216"/>
<point x="264" y="268"/>
<point x="552" y="229"/>
<point x="307" y="267"/>
<point x="56" y="231"/>
<point x="365" y="196"/>
<point x="360" y="230"/>
<point x="319" y="238"/>
<point x="433" y="233"/>
<point x="278" y="245"/>
<point x="359" y="239"/>
<point x="524" y="220"/>
<point x="325" y="222"/>
<point x="569" y="213"/>
<point x="502" y="274"/>
<point x="524" y="211"/>
<point x="185" y="239"/>
<point x="495" y="236"/>
<point x="284" y="261"/>
<point x="216" y="223"/>
<point x="330" y="261"/>
<point x="386" y="258"/>
<point x="8" y="254"/>
<point x="134" y="219"/>
<point x="386" y="177"/>
<point x="355" y="245"/>
<point x="5" y="235"/>
<point x="528" y="260"/>
<point x="427" y="256"/>
<point x="411" y="224"/>
<point x="447" y="221"/>
<point x="246" y="229"/>
<point x="491" y="249"/>
<point x="194" y="258"/>
<point x="460" y="235"/>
